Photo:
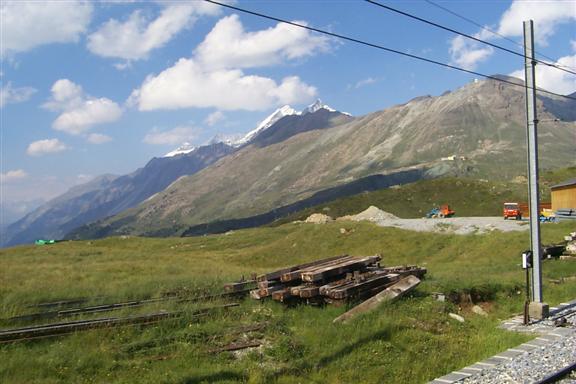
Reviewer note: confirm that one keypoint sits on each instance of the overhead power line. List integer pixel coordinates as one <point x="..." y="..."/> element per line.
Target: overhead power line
<point x="464" y="34"/>
<point x="492" y="31"/>
<point x="368" y="44"/>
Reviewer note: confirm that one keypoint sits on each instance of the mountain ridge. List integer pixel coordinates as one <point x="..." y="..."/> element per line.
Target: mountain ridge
<point x="476" y="130"/>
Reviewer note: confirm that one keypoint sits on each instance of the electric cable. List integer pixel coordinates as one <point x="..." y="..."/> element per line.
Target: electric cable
<point x="465" y="35"/>
<point x="373" y="45"/>
<point x="492" y="31"/>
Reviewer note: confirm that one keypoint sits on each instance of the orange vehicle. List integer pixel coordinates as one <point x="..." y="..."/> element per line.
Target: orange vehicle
<point x="443" y="211"/>
<point x="512" y="210"/>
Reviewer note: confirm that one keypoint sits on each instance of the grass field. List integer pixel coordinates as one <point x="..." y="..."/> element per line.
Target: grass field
<point x="412" y="340"/>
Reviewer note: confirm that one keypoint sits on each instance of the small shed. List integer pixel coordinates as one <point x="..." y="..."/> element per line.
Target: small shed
<point x="564" y="195"/>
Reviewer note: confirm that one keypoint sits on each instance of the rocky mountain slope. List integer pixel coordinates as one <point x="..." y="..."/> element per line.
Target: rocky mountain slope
<point x="477" y="130"/>
<point x="106" y="195"/>
<point x="109" y="195"/>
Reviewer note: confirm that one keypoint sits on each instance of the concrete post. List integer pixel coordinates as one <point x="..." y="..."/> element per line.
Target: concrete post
<point x="538" y="309"/>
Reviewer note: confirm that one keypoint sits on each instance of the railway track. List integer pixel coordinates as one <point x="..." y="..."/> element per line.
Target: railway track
<point x="58" y="329"/>
<point x="558" y="375"/>
<point x="116" y="306"/>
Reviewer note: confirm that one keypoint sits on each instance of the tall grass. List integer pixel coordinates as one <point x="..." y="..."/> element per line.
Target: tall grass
<point x="412" y="340"/>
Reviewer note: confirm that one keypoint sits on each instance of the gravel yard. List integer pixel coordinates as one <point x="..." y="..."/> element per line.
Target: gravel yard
<point x="457" y="225"/>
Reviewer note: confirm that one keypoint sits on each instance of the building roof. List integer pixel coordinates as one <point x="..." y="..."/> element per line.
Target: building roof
<point x="565" y="183"/>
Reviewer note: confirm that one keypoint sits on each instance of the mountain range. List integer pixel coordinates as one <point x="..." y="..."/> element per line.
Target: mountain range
<point x="477" y="131"/>
<point x="109" y="195"/>
<point x="294" y="159"/>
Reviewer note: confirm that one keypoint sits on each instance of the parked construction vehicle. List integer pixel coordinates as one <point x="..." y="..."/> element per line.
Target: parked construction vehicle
<point x="443" y="211"/>
<point x="512" y="210"/>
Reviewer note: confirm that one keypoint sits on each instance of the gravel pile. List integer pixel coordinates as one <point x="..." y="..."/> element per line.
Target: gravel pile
<point x="318" y="218"/>
<point x="373" y="214"/>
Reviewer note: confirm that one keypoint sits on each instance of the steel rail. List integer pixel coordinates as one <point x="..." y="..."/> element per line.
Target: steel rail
<point x="117" y="306"/>
<point x="57" y="329"/>
<point x="554" y="377"/>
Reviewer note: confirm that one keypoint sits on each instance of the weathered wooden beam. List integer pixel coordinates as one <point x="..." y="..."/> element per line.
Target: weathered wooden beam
<point x="296" y="275"/>
<point x="398" y="289"/>
<point x="338" y="269"/>
<point x="255" y="294"/>
<point x="236" y="347"/>
<point x="295" y="291"/>
<point x="265" y="292"/>
<point x="348" y="290"/>
<point x="282" y="295"/>
<point x="238" y="286"/>
<point x="309" y="292"/>
<point x="276" y="274"/>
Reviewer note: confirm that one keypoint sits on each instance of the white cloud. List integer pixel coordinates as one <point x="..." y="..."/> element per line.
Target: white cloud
<point x="174" y="136"/>
<point x="28" y="24"/>
<point x="552" y="79"/>
<point x="44" y="147"/>
<point x="10" y="95"/>
<point x="79" y="111"/>
<point x="229" y="46"/>
<point x="467" y="53"/>
<point x="214" y="118"/>
<point x="136" y="37"/>
<point x="98" y="138"/>
<point x="547" y="15"/>
<point x="365" y="82"/>
<point x="187" y="85"/>
<point x="10" y="176"/>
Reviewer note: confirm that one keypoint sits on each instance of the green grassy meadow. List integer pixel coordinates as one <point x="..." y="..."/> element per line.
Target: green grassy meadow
<point x="409" y="341"/>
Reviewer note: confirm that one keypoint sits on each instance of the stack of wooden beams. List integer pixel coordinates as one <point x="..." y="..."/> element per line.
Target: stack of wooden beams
<point x="333" y="280"/>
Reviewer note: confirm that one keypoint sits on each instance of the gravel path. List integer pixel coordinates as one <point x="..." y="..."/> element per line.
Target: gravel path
<point x="553" y="350"/>
<point x="457" y="225"/>
<point x="532" y="366"/>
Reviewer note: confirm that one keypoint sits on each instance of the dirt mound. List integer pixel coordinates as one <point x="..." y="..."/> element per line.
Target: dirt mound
<point x="318" y="218"/>
<point x="372" y="213"/>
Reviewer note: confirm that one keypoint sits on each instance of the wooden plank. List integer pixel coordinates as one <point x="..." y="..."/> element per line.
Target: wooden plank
<point x="236" y="347"/>
<point x="338" y="269"/>
<point x="348" y="290"/>
<point x="295" y="291"/>
<point x="296" y="275"/>
<point x="265" y="284"/>
<point x="398" y="289"/>
<point x="255" y="294"/>
<point x="265" y="292"/>
<point x="276" y="274"/>
<point x="238" y="286"/>
<point x="282" y="295"/>
<point x="309" y="292"/>
<point x="324" y="288"/>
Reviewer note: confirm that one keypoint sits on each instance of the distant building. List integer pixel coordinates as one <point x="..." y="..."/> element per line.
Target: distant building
<point x="564" y="195"/>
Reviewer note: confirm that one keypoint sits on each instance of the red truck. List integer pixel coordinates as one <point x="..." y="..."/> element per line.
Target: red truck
<point x="512" y="210"/>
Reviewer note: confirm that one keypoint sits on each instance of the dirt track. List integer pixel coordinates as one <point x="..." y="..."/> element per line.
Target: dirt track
<point x="457" y="225"/>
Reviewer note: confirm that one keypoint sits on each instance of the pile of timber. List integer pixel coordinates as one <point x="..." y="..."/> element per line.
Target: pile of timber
<point x="334" y="280"/>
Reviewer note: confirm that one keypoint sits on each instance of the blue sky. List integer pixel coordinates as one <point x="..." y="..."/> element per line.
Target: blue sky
<point x="90" y="88"/>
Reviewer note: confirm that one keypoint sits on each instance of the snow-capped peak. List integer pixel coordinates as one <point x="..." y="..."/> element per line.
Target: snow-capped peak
<point x="181" y="150"/>
<point x="316" y="106"/>
<point x="228" y="139"/>
<point x="267" y="123"/>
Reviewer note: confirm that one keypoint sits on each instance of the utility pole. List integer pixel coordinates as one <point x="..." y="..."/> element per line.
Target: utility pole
<point x="537" y="308"/>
